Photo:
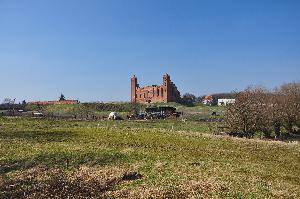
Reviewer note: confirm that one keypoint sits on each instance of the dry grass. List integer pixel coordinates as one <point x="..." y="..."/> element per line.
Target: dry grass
<point x="60" y="160"/>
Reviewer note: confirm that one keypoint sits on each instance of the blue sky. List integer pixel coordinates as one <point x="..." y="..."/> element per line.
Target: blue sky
<point x="89" y="49"/>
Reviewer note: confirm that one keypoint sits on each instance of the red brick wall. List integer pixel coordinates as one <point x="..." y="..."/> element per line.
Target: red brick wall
<point x="167" y="92"/>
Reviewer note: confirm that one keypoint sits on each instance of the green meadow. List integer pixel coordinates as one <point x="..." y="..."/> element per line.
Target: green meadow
<point x="41" y="158"/>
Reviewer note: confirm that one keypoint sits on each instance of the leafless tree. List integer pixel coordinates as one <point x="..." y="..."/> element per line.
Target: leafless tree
<point x="259" y="110"/>
<point x="246" y="115"/>
<point x="289" y="105"/>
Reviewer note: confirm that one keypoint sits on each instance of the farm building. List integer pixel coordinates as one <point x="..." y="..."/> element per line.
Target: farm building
<point x="225" y="102"/>
<point x="208" y="100"/>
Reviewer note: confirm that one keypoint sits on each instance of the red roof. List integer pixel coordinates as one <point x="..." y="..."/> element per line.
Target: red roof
<point x="208" y="97"/>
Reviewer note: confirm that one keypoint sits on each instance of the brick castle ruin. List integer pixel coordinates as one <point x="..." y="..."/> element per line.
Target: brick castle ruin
<point x="167" y="92"/>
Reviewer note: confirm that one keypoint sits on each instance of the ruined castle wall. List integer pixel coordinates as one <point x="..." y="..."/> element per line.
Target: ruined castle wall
<point x="167" y="92"/>
<point x="150" y="94"/>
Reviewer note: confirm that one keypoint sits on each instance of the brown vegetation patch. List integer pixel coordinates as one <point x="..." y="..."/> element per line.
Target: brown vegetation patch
<point x="43" y="182"/>
<point x="192" y="189"/>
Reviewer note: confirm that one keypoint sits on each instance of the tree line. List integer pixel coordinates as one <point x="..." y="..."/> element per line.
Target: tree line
<point x="9" y="104"/>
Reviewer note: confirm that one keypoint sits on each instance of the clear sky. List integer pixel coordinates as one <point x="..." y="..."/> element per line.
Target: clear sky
<point x="89" y="49"/>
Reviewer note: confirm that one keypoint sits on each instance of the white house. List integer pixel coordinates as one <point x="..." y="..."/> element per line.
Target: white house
<point x="225" y="102"/>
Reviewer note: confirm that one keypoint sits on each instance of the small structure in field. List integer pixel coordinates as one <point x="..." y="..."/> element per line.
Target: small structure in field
<point x="37" y="114"/>
<point x="157" y="112"/>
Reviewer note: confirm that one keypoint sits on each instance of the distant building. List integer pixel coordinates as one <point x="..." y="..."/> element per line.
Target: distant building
<point x="208" y="100"/>
<point x="167" y="92"/>
<point x="225" y="102"/>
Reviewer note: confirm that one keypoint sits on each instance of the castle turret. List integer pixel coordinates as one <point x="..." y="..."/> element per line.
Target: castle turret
<point x="134" y="86"/>
<point x="166" y="87"/>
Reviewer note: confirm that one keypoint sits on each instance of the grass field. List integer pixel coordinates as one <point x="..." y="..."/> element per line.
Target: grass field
<point x="103" y="109"/>
<point x="44" y="158"/>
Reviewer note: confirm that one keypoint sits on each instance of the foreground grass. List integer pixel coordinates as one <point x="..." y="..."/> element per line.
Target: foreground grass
<point x="174" y="164"/>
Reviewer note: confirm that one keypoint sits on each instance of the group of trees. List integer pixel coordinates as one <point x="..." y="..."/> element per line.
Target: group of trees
<point x="188" y="99"/>
<point x="258" y="110"/>
<point x="9" y="104"/>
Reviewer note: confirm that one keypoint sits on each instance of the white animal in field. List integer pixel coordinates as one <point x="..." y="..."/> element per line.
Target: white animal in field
<point x="113" y="116"/>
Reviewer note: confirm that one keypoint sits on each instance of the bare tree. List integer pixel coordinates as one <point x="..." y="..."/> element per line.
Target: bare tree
<point x="188" y="99"/>
<point x="290" y="105"/>
<point x="259" y="110"/>
<point x="246" y="115"/>
<point x="8" y="101"/>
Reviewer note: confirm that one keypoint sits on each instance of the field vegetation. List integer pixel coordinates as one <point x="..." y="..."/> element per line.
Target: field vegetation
<point x="43" y="158"/>
<point x="75" y="152"/>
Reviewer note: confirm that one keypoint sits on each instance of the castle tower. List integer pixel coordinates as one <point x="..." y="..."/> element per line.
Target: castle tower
<point x="134" y="86"/>
<point x="166" y="87"/>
